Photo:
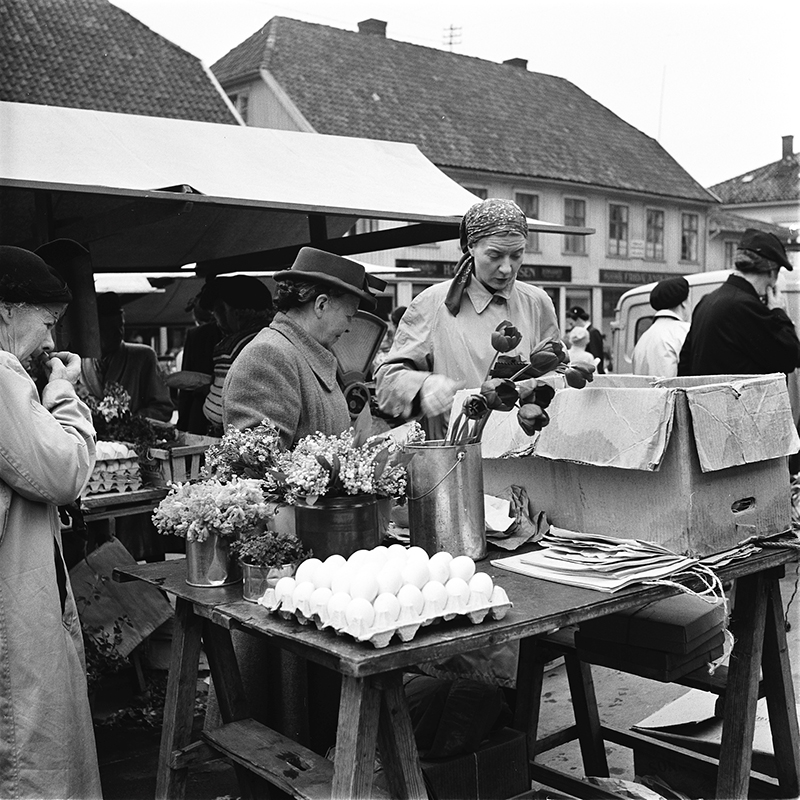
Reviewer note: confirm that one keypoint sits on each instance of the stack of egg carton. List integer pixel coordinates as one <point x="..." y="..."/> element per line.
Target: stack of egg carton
<point x="116" y="469"/>
<point x="376" y="594"/>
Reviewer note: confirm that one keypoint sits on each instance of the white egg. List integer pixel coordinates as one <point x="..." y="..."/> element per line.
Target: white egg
<point x="284" y="588"/>
<point x="378" y="556"/>
<point x="335" y="561"/>
<point x="398" y="554"/>
<point x="481" y="583"/>
<point x="416" y="552"/>
<point x="302" y="592"/>
<point x="435" y="596"/>
<point x="318" y="602"/>
<point x="364" y="585"/>
<point x="462" y="567"/>
<point x="387" y="608"/>
<point x="359" y="558"/>
<point x="458" y="590"/>
<point x="389" y="578"/>
<point x="359" y="612"/>
<point x="439" y="566"/>
<point x="336" y="606"/>
<point x="307" y="570"/>
<point x="341" y="580"/>
<point x="411" y="597"/>
<point x="324" y="574"/>
<point x="416" y="571"/>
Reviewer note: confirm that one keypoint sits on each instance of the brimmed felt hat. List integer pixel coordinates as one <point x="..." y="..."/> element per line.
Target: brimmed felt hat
<point x="317" y="265"/>
<point x="26" y="278"/>
<point x="577" y="312"/>
<point x="767" y="245"/>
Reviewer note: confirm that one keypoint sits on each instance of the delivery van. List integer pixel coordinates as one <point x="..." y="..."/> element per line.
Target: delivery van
<point x="634" y="315"/>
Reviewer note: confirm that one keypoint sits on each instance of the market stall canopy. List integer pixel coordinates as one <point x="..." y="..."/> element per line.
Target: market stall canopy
<point x="146" y="193"/>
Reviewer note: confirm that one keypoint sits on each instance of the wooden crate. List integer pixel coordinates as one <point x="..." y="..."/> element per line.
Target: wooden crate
<point x="177" y="464"/>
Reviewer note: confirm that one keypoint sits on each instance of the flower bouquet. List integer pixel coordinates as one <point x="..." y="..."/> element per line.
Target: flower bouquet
<point x="501" y="390"/>
<point x="266" y="558"/>
<point x="211" y="515"/>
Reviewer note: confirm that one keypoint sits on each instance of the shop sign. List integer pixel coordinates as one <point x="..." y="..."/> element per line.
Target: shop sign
<point x="632" y="277"/>
<point x="636" y="249"/>
<point x="446" y="269"/>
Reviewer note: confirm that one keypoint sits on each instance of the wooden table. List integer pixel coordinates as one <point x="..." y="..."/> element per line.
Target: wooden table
<point x="373" y="709"/>
<point x="110" y="505"/>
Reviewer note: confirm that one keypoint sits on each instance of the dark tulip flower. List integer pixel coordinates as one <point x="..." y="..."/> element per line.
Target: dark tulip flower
<point x="500" y="394"/>
<point x="532" y="418"/>
<point x="505" y="337"/>
<point x="542" y="362"/>
<point x="475" y="407"/>
<point x="575" y="378"/>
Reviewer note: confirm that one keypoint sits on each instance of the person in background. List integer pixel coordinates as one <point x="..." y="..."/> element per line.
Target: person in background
<point x="443" y="341"/>
<point x="198" y="356"/>
<point x="133" y="366"/>
<point x="388" y="339"/>
<point x="741" y="327"/>
<point x="242" y="306"/>
<point x="47" y="452"/>
<point x="659" y="347"/>
<point x="577" y="316"/>
<point x="578" y="354"/>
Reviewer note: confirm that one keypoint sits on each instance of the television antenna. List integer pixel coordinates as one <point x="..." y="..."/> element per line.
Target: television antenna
<point x="451" y="36"/>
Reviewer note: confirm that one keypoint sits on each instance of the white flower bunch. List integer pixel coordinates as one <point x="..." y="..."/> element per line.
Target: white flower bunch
<point x="249" y="453"/>
<point x="193" y="510"/>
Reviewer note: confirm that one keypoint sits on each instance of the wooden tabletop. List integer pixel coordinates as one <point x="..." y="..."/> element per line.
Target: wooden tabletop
<point x="538" y="607"/>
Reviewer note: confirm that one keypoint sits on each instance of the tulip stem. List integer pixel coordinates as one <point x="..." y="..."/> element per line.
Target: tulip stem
<point x="489" y="371"/>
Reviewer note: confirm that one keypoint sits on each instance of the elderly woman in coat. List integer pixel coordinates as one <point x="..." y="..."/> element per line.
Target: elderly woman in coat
<point x="288" y="372"/>
<point x="47" y="452"/>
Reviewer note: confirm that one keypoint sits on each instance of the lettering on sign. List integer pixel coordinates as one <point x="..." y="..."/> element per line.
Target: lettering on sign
<point x="636" y="249"/>
<point x="446" y="269"/>
<point x="631" y="277"/>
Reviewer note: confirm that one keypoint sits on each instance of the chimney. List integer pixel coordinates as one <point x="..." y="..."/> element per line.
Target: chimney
<point x="788" y="147"/>
<point x="520" y="63"/>
<point x="377" y="27"/>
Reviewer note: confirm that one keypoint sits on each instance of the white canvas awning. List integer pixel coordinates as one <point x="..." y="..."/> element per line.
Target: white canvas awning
<point x="146" y="193"/>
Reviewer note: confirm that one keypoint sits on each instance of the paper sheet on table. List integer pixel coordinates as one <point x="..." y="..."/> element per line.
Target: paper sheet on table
<point x="497" y="513"/>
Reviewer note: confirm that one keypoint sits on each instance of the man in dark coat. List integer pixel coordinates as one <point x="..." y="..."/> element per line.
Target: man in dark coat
<point x="742" y="327"/>
<point x="578" y="316"/>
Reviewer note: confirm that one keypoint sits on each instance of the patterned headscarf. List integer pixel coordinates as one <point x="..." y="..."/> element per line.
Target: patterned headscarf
<point x="487" y="218"/>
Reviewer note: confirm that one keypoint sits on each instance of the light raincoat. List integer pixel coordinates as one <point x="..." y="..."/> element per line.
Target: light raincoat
<point x="47" y="451"/>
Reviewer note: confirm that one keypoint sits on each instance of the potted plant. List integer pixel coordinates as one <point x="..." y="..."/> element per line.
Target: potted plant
<point x="211" y="515"/>
<point x="266" y="558"/>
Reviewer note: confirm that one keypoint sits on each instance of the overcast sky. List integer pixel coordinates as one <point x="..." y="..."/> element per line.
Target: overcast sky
<point x="714" y="81"/>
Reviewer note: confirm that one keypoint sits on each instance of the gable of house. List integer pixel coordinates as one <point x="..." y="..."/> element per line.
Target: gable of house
<point x="462" y="112"/>
<point x="774" y="183"/>
<point x="91" y="54"/>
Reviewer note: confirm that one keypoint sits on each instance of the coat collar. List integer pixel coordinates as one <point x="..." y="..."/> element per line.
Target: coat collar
<point x="481" y="298"/>
<point x="322" y="361"/>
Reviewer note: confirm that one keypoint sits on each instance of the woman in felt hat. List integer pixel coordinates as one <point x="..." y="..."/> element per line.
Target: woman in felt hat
<point x="47" y="452"/>
<point x="287" y="373"/>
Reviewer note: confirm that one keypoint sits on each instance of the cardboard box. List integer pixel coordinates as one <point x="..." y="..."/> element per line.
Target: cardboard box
<point x="654" y="664"/>
<point x="695" y="464"/>
<point x="676" y="625"/>
<point x="498" y="769"/>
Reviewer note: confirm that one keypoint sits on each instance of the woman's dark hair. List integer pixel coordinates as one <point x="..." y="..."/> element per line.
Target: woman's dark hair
<point x="749" y="262"/>
<point x="293" y="294"/>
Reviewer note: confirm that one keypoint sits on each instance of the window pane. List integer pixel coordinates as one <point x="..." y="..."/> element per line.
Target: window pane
<point x="575" y="215"/>
<point x="529" y="203"/>
<point x="689" y="227"/>
<point x="730" y="254"/>
<point x="654" y="243"/>
<point x="482" y="193"/>
<point x="617" y="230"/>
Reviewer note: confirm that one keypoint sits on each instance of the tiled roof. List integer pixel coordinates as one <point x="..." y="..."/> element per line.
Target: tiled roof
<point x="91" y="54"/>
<point x="720" y="221"/>
<point x="462" y="112"/>
<point x="773" y="183"/>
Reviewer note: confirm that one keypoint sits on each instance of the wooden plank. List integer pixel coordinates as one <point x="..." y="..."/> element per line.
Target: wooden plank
<point x="356" y="738"/>
<point x="780" y="695"/>
<point x="530" y="677"/>
<point x="587" y="719"/>
<point x="176" y="732"/>
<point x="739" y="720"/>
<point x="396" y="742"/>
<point x="575" y="787"/>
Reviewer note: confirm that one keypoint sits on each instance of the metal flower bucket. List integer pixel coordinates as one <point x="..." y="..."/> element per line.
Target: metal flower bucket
<point x="258" y="579"/>
<point x="338" y="525"/>
<point x="445" y="498"/>
<point x="209" y="563"/>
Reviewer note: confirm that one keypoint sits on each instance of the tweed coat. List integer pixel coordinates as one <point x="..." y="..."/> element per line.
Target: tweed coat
<point x="288" y="377"/>
<point x="47" y="452"/>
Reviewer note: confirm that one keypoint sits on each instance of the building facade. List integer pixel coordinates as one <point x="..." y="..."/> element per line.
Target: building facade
<point x="500" y="130"/>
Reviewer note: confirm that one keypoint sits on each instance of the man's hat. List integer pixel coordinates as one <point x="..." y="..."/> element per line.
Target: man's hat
<point x="767" y="245"/>
<point x="240" y="291"/>
<point x="576" y="312"/>
<point x="669" y="293"/>
<point x="317" y="265"/>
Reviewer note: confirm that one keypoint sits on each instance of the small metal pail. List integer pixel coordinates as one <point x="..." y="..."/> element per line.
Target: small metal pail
<point x="258" y="579"/>
<point x="209" y="563"/>
<point x="445" y="498"/>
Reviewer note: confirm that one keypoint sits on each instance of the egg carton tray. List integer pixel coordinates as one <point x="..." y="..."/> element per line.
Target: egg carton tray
<point x="476" y="610"/>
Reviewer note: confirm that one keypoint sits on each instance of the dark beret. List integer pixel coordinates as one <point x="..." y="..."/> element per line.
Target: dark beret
<point x="242" y="291"/>
<point x="576" y="312"/>
<point x="669" y="293"/>
<point x="26" y="278"/>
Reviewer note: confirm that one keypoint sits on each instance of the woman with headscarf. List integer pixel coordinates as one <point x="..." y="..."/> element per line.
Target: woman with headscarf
<point x="443" y="341"/>
<point x="47" y="452"/>
<point x="287" y="373"/>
